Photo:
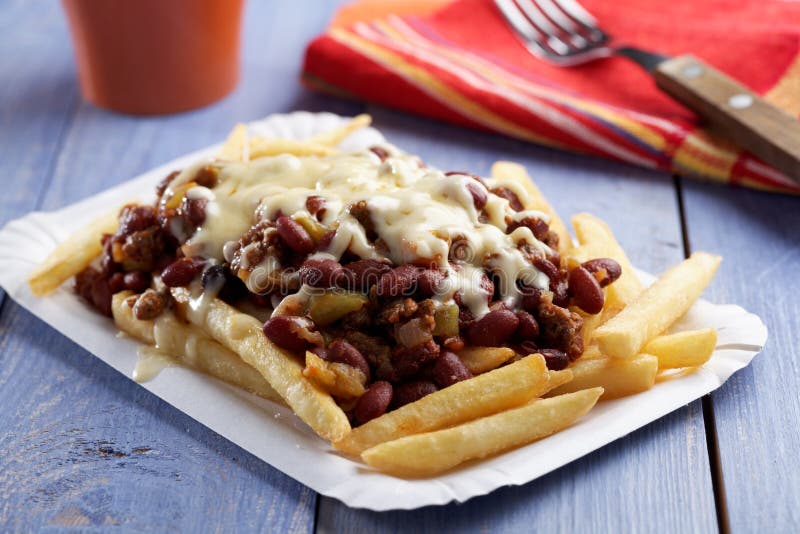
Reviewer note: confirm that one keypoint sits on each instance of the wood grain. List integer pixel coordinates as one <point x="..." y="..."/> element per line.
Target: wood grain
<point x="81" y="444"/>
<point x="734" y="112"/>
<point x="757" y="411"/>
<point x="656" y="478"/>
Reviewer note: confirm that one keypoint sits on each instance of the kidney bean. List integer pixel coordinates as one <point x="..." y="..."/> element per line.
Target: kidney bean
<point x="101" y="295"/>
<point x="194" y="210"/>
<point x="528" y="327"/>
<point x="148" y="306"/>
<point x="554" y="359"/>
<point x="508" y="194"/>
<point x="107" y="263"/>
<point x="585" y="290"/>
<point x="493" y="329"/>
<point x="136" y="281"/>
<point x="449" y="369"/>
<point x="322" y="273"/>
<point x="409" y="392"/>
<point x="325" y="241"/>
<point x="117" y="283"/>
<point x="134" y="218"/>
<point x="526" y="347"/>
<point x="179" y="273"/>
<point x="400" y="281"/>
<point x="343" y="352"/>
<point x="429" y="282"/>
<point x="363" y="274"/>
<point x="294" y="235"/>
<point x="479" y="194"/>
<point x="315" y="205"/>
<point x="605" y="270"/>
<point x="538" y="227"/>
<point x="285" y="331"/>
<point x="547" y="268"/>
<point x="322" y="352"/>
<point x="374" y="402"/>
<point x="206" y="176"/>
<point x="407" y="361"/>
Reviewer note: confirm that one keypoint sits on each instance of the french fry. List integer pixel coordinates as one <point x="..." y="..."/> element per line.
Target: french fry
<point x="261" y="147"/>
<point x="72" y="255"/>
<point x="190" y="346"/>
<point x="657" y="307"/>
<point x="242" y="334"/>
<point x="514" y="172"/>
<point x="333" y="137"/>
<point x="235" y="146"/>
<point x="482" y="395"/>
<point x="691" y="348"/>
<point x="434" y="452"/>
<point x="597" y="241"/>
<point x="556" y="379"/>
<point x="127" y="322"/>
<point x="481" y="359"/>
<point x="618" y="377"/>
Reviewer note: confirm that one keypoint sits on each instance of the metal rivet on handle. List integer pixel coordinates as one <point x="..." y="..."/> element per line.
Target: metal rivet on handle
<point x="740" y="101"/>
<point x="692" y="71"/>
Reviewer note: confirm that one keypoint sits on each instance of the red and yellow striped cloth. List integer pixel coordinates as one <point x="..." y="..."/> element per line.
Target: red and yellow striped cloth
<point x="457" y="60"/>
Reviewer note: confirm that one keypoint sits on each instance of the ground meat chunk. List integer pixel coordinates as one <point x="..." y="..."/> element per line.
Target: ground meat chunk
<point x="360" y="211"/>
<point x="376" y="351"/>
<point x="397" y="310"/>
<point x="559" y="328"/>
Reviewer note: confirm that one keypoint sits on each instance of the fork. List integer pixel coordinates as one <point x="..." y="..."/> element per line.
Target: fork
<point x="563" y="33"/>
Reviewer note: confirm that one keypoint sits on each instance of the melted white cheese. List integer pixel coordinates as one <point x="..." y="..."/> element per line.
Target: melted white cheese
<point x="417" y="212"/>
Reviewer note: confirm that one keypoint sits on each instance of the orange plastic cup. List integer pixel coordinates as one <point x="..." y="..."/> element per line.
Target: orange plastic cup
<point x="149" y="57"/>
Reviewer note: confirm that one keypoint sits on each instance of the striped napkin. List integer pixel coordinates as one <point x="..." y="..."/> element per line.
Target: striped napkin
<point x="458" y="61"/>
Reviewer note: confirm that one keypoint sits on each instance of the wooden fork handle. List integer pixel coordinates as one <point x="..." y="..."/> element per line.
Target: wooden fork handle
<point x="734" y="111"/>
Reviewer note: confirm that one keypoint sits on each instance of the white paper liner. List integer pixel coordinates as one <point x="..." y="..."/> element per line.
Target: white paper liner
<point x="274" y="434"/>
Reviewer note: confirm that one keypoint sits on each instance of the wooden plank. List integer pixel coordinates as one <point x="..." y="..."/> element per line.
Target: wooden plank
<point x="656" y="478"/>
<point x="39" y="98"/>
<point x="757" y="412"/>
<point x="82" y="445"/>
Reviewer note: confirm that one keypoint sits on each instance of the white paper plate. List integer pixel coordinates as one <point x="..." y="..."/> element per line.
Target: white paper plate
<point x="275" y="435"/>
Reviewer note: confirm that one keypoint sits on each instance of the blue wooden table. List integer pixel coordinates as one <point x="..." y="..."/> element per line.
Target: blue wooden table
<point x="83" y="446"/>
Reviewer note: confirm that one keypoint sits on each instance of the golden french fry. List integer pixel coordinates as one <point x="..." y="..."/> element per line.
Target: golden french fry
<point x="126" y="322"/>
<point x="691" y="348"/>
<point x="242" y="334"/>
<point x="481" y="359"/>
<point x="337" y="135"/>
<point x="597" y="241"/>
<point x="72" y="255"/>
<point x="235" y="146"/>
<point x="430" y="453"/>
<point x="556" y="379"/>
<point x="618" y="377"/>
<point x="190" y="346"/>
<point x="657" y="307"/>
<point x="261" y="147"/>
<point x="488" y="393"/>
<point x="516" y="173"/>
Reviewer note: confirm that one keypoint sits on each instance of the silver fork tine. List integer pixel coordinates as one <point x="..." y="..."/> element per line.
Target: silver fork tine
<point x="558" y="16"/>
<point x="543" y="24"/>
<point x="530" y="35"/>
<point x="576" y="12"/>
